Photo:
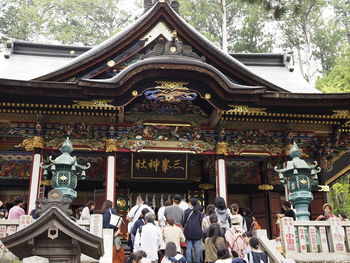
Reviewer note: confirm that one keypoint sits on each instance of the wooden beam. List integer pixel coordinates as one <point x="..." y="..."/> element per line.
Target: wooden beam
<point x="215" y="117"/>
<point x="121" y="115"/>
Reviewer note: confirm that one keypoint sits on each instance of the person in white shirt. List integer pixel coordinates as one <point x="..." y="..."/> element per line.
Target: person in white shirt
<point x="183" y="205"/>
<point x="85" y="214"/>
<point x="148" y="238"/>
<point x="234" y="208"/>
<point x="161" y="216"/>
<point x="135" y="212"/>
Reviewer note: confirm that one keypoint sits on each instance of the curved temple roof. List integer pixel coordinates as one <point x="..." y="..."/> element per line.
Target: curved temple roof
<point x="276" y="77"/>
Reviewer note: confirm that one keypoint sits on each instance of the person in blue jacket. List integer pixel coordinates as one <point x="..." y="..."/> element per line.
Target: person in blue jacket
<point x="118" y="251"/>
<point x="107" y="209"/>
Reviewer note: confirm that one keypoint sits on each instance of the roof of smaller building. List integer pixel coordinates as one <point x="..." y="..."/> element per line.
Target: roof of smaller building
<point x="89" y="244"/>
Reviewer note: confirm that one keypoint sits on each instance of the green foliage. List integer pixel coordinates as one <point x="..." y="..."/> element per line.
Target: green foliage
<point x="342" y="11"/>
<point x="328" y="39"/>
<point x="204" y="16"/>
<point x="252" y="36"/>
<point x="85" y="22"/>
<point x="245" y="23"/>
<point x="338" y="79"/>
<point x="340" y="193"/>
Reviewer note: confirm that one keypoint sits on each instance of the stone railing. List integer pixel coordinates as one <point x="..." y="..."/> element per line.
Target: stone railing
<point x="94" y="226"/>
<point x="310" y="241"/>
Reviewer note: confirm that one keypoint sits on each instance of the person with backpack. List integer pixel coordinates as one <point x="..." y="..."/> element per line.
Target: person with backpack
<point x="212" y="219"/>
<point x="133" y="215"/>
<point x="250" y="224"/>
<point x="140" y="222"/>
<point x="223" y="213"/>
<point x="234" y="236"/>
<point x="193" y="231"/>
<point x="212" y="243"/>
<point x="256" y="255"/>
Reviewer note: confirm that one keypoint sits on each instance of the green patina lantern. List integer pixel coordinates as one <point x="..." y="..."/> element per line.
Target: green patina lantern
<point x="299" y="178"/>
<point x="64" y="171"/>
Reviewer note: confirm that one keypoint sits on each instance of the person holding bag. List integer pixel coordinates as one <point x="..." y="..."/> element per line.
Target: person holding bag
<point x="112" y="220"/>
<point x="212" y="243"/>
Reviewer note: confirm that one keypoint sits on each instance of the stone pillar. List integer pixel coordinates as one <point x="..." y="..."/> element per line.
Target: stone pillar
<point x="34" y="144"/>
<point x="220" y="166"/>
<point x="111" y="147"/>
<point x="108" y="246"/>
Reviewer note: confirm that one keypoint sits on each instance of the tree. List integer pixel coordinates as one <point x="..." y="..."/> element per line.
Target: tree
<point x="328" y="39"/>
<point x="342" y="11"/>
<point x="340" y="193"/>
<point x="85" y="22"/>
<point x="298" y="24"/>
<point x="253" y="35"/>
<point x="205" y="16"/>
<point x="245" y="24"/>
<point x="338" y="79"/>
<point x="25" y="20"/>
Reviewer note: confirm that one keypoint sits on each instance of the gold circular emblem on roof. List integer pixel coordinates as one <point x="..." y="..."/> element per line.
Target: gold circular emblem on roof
<point x="207" y="96"/>
<point x="110" y="63"/>
<point x="135" y="93"/>
<point x="173" y="49"/>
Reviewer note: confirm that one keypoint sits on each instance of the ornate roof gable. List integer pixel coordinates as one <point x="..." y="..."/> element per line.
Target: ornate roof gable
<point x="151" y="35"/>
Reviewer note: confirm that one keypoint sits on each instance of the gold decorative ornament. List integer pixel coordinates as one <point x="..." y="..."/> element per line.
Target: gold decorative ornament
<point x="265" y="187"/>
<point x="121" y="202"/>
<point x="341" y="114"/>
<point x="31" y="143"/>
<point x="207" y="96"/>
<point x="111" y="145"/>
<point x="94" y="104"/>
<point x="135" y="93"/>
<point x="172" y="86"/>
<point x="243" y="109"/>
<point x="222" y="148"/>
<point x="173" y="49"/>
<point x="110" y="63"/>
<point x="206" y="186"/>
<point x="303" y="181"/>
<point x="45" y="182"/>
<point x="63" y="178"/>
<point x="72" y="52"/>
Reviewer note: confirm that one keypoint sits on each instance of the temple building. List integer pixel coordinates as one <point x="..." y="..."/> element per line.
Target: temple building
<point x="158" y="110"/>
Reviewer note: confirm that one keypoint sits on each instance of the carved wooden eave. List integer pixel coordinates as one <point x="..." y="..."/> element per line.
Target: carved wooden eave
<point x="161" y="12"/>
<point x="203" y="79"/>
<point x="21" y="242"/>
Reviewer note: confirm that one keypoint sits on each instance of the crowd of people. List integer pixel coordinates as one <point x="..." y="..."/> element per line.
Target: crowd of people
<point x="180" y="231"/>
<point x="184" y="232"/>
